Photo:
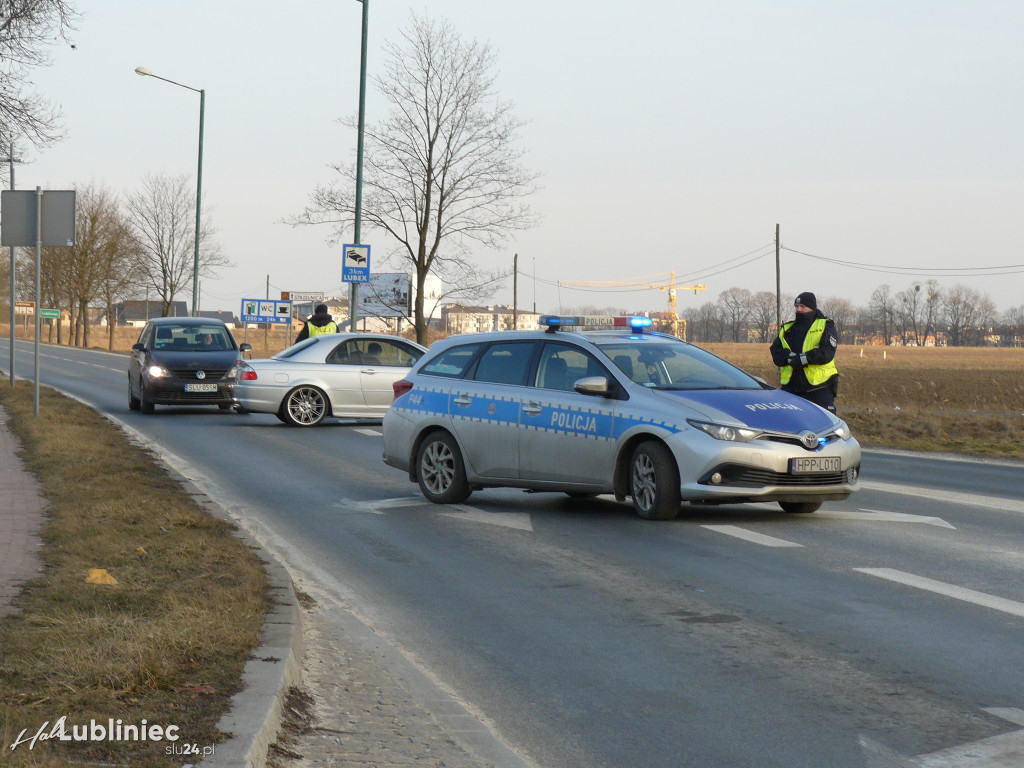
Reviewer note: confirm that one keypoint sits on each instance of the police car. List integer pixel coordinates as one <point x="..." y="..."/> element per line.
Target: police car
<point x="592" y="406"/>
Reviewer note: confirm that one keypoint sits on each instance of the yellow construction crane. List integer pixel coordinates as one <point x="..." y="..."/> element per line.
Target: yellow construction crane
<point x="645" y="282"/>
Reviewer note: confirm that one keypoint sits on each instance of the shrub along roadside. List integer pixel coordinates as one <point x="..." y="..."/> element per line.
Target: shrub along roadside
<point x="167" y="643"/>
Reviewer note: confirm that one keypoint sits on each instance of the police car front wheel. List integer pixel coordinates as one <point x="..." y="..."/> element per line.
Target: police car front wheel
<point x="654" y="482"/>
<point x="440" y="470"/>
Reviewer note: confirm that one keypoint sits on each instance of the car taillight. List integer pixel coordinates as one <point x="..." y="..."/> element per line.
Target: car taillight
<point x="248" y="374"/>
<point x="401" y="387"/>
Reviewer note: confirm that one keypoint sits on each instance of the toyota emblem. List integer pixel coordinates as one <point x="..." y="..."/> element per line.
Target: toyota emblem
<point x="809" y="439"/>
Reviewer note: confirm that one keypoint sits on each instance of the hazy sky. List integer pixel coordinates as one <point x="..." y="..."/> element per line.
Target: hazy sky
<point x="672" y="136"/>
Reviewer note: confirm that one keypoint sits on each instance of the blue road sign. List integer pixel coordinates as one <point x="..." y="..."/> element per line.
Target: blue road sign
<point x="355" y="267"/>
<point x="266" y="311"/>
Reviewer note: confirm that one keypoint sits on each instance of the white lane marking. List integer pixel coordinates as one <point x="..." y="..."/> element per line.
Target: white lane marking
<point x="949" y="590"/>
<point x="755" y="538"/>
<point x="1003" y="751"/>
<point x="1009" y="714"/>
<point x="968" y="499"/>
<point x="369" y="432"/>
<point x="518" y="520"/>
<point x="879" y="516"/>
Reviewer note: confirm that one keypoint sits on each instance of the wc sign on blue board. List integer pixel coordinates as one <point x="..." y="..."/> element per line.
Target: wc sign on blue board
<point x="355" y="267"/>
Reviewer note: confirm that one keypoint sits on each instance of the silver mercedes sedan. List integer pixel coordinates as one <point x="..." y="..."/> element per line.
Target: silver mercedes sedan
<point x="340" y="375"/>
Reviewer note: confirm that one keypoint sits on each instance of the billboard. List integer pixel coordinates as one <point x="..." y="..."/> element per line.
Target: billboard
<point x="386" y="294"/>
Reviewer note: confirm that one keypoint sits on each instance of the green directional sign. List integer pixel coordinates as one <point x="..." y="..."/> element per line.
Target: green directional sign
<point x="52" y="314"/>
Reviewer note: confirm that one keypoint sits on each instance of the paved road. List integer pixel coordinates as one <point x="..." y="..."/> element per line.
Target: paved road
<point x="883" y="629"/>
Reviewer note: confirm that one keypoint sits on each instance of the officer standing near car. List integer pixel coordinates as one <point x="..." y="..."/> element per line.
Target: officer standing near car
<point x="805" y="352"/>
<point x="319" y="322"/>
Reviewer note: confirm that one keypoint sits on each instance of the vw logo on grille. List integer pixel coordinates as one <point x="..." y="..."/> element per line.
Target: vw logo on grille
<point x="200" y="374"/>
<point x="809" y="439"/>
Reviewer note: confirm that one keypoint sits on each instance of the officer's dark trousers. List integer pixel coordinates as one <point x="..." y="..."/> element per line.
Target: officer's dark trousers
<point x="822" y="396"/>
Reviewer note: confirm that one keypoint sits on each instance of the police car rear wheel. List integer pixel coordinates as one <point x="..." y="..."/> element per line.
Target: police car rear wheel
<point x="304" y="407"/>
<point x="654" y="482"/>
<point x="440" y="470"/>
<point x="800" y="507"/>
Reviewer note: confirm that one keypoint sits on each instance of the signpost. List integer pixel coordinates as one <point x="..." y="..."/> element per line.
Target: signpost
<point x="266" y="311"/>
<point x="36" y="218"/>
<point x="355" y="268"/>
<point x="50" y="314"/>
<point x="386" y="294"/>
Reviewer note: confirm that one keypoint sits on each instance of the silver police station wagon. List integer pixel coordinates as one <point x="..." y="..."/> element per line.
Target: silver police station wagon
<point x="595" y="405"/>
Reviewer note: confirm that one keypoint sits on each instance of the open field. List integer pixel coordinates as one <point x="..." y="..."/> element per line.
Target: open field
<point x="166" y="643"/>
<point x="958" y="399"/>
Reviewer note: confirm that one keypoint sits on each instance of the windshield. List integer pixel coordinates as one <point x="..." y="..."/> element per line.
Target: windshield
<point x="663" y="364"/>
<point x="193" y="338"/>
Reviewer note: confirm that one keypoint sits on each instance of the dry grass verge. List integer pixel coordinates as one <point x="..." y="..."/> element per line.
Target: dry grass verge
<point x="166" y="644"/>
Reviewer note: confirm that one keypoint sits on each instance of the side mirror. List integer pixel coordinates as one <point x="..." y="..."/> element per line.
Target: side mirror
<point x="244" y="347"/>
<point x="598" y="386"/>
<point x="138" y="347"/>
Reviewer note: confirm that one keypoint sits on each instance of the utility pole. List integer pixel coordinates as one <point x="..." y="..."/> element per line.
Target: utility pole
<point x="778" y="284"/>
<point x="515" y="292"/>
<point x="11" y="159"/>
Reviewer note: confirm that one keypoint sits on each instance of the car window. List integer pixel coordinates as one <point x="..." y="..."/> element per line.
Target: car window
<point x="671" y="365"/>
<point x="452" y="362"/>
<point x="382" y="352"/>
<point x="294" y="349"/>
<point x="505" y="363"/>
<point x="562" y="365"/>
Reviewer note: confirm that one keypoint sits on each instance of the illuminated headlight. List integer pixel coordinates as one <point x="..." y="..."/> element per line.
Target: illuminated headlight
<point x="725" y="431"/>
<point x="158" y="371"/>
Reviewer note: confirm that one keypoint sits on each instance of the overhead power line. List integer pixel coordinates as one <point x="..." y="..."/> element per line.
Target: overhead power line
<point x="1006" y="269"/>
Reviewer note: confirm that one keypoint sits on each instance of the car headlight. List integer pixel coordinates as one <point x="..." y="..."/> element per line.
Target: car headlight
<point x="725" y="431"/>
<point x="158" y="371"/>
<point x="841" y="430"/>
<point x="232" y="372"/>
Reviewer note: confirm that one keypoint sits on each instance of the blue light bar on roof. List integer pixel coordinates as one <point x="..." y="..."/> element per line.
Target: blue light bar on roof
<point x="554" y="322"/>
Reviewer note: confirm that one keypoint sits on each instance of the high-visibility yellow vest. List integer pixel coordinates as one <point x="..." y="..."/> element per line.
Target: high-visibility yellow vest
<point x="316" y="330"/>
<point x="816" y="374"/>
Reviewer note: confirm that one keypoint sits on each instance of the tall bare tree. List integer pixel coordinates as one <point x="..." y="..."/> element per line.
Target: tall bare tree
<point x="28" y="29"/>
<point x="907" y="311"/>
<point x="967" y="315"/>
<point x="162" y="215"/>
<point x="762" y="314"/>
<point x="441" y="171"/>
<point x="882" y="309"/>
<point x="74" y="277"/>
<point x="735" y="312"/>
<point x="841" y="312"/>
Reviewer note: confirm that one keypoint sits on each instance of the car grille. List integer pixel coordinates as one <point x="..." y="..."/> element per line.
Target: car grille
<point x="735" y="475"/>
<point x="189" y="374"/>
<point x="794" y="440"/>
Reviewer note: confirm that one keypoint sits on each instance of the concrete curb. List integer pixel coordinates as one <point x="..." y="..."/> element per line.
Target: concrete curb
<point x="256" y="711"/>
<point x="255" y="714"/>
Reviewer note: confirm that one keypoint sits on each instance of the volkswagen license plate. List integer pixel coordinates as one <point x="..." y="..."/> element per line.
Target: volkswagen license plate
<point x="814" y="464"/>
<point x="200" y="387"/>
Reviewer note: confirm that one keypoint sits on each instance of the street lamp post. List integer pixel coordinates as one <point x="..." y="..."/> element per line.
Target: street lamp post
<point x="353" y="298"/>
<point x="199" y="181"/>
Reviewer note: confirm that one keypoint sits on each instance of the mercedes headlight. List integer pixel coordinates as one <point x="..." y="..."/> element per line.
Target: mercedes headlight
<point x="725" y="431"/>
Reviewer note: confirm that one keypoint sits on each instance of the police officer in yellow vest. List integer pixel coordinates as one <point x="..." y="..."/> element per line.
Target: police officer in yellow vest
<point x="319" y="322"/>
<point x="805" y="351"/>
